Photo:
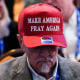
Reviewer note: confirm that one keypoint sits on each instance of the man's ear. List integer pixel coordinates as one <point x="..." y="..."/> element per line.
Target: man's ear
<point x="20" y="39"/>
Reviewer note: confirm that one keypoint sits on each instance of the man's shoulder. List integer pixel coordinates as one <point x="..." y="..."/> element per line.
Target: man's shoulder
<point x="10" y="64"/>
<point x="5" y="68"/>
<point x="14" y="67"/>
<point x="73" y="65"/>
<point x="69" y="69"/>
<point x="68" y="61"/>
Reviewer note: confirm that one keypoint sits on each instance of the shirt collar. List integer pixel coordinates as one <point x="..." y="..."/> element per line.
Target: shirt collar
<point x="39" y="77"/>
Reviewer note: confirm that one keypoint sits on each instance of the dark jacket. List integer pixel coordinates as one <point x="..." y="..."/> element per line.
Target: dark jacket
<point x="17" y="69"/>
<point x="11" y="41"/>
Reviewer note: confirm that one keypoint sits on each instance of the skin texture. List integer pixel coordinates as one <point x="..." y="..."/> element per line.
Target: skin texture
<point x="41" y="58"/>
<point x="4" y="20"/>
<point x="66" y="6"/>
<point x="1" y="9"/>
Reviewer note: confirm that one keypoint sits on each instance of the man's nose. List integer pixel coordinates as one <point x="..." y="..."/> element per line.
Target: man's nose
<point x="44" y="52"/>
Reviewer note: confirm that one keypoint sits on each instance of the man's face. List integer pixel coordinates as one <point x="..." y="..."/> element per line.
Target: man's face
<point x="42" y="58"/>
<point x="1" y="9"/>
<point x="62" y="4"/>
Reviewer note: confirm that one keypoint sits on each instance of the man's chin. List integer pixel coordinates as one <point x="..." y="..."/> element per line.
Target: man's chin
<point x="45" y="68"/>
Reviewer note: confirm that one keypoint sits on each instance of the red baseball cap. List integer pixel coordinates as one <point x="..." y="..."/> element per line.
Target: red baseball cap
<point x="41" y="24"/>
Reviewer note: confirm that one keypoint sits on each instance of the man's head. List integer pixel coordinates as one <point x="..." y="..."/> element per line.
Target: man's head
<point x="40" y="29"/>
<point x="3" y="10"/>
<point x="4" y="20"/>
<point x="66" y="7"/>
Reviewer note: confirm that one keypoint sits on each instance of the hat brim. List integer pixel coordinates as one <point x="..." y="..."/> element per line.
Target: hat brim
<point x="35" y="41"/>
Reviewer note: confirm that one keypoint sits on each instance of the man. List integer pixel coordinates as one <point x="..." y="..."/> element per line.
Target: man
<point x="70" y="18"/>
<point x="40" y="29"/>
<point x="8" y="31"/>
<point x="10" y="4"/>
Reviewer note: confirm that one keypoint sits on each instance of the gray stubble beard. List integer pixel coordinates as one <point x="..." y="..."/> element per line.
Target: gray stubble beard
<point x="45" y="68"/>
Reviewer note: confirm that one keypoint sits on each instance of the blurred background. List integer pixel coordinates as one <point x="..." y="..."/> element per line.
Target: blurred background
<point x="15" y="6"/>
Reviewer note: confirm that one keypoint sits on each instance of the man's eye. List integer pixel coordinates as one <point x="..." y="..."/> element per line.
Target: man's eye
<point x="52" y="48"/>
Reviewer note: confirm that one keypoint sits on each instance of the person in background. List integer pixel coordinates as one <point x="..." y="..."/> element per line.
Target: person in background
<point x="71" y="28"/>
<point x="8" y="31"/>
<point x="9" y="4"/>
<point x="30" y="2"/>
<point x="40" y="29"/>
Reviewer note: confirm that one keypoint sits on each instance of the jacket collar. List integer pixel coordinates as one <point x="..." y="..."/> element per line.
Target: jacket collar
<point x="24" y="73"/>
<point x="67" y="69"/>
